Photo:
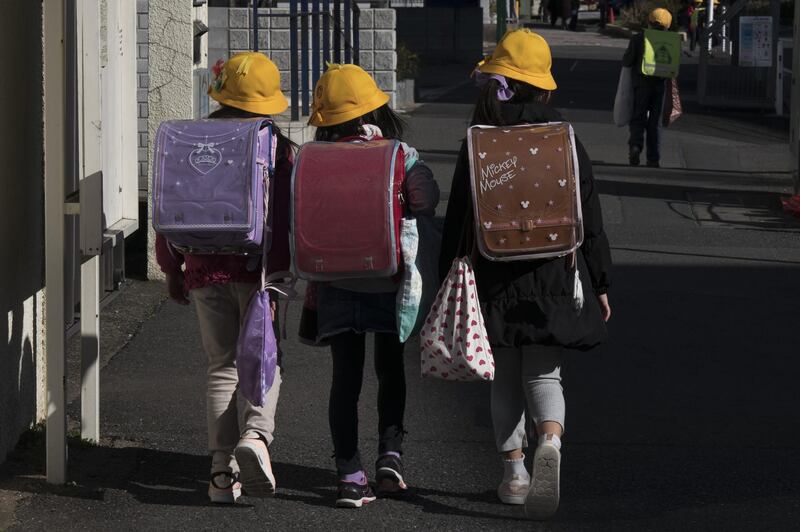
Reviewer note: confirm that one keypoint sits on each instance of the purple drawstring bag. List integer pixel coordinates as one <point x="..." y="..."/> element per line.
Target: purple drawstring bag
<point x="257" y="346"/>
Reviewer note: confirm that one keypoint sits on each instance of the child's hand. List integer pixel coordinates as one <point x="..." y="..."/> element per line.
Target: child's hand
<point x="605" y="308"/>
<point x="175" y="288"/>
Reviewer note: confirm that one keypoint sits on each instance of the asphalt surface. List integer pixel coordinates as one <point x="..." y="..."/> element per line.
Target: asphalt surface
<point x="685" y="419"/>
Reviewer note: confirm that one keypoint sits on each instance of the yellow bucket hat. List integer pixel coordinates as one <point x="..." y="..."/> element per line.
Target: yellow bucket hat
<point x="249" y="81"/>
<point x="524" y="56"/>
<point x="342" y="93"/>
<point x="661" y="17"/>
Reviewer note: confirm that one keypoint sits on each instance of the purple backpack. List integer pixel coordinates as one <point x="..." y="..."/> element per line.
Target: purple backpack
<point x="211" y="184"/>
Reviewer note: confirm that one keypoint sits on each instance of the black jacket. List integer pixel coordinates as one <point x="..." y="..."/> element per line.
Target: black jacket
<point x="531" y="302"/>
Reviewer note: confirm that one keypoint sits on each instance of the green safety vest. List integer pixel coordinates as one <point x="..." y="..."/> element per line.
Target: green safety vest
<point x="662" y="53"/>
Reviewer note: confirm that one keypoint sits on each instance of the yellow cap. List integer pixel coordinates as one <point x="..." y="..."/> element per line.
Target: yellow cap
<point x="343" y="93"/>
<point x="661" y="17"/>
<point x="249" y="81"/>
<point x="524" y="56"/>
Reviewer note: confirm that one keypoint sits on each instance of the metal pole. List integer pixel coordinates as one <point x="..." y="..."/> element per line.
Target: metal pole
<point x="356" y="35"/>
<point x="348" y="51"/>
<point x="56" y="20"/>
<point x="501" y="19"/>
<point x="710" y="15"/>
<point x="779" y="80"/>
<point x="255" y="25"/>
<point x="337" y="31"/>
<point x="795" y="117"/>
<point x="90" y="154"/>
<point x="326" y="31"/>
<point x="304" y="55"/>
<point x="315" y="68"/>
<point x="293" y="60"/>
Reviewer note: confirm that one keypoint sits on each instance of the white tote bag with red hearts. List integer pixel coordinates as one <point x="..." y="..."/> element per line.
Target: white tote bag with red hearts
<point x="454" y="343"/>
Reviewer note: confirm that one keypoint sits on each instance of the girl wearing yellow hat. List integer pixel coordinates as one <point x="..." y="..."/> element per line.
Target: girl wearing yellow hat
<point x="528" y="305"/>
<point x="347" y="104"/>
<point x="247" y="85"/>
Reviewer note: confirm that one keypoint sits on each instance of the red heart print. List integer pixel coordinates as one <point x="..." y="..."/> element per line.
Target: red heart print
<point x="472" y="296"/>
<point x="471" y="282"/>
<point x="467" y="344"/>
<point x="444" y="325"/>
<point x="450" y="299"/>
<point x="433" y="369"/>
<point x="459" y="299"/>
<point x="438" y="351"/>
<point x="459" y="312"/>
<point x="429" y="342"/>
<point x="470" y="358"/>
<point x="429" y="321"/>
<point x="487" y="375"/>
<point x="479" y="349"/>
<point x="444" y="374"/>
<point x="474" y="323"/>
<point x="433" y="329"/>
<point x="476" y="336"/>
<point x="459" y="325"/>
<point x="447" y="313"/>
<point x="459" y="339"/>
<point x="473" y="371"/>
<point x="481" y="362"/>
<point x="473" y="309"/>
<point x="441" y="338"/>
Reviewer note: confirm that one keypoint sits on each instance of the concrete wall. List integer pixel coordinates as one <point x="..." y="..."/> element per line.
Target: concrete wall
<point x="231" y="31"/>
<point x="21" y="222"/>
<point x="169" y="94"/>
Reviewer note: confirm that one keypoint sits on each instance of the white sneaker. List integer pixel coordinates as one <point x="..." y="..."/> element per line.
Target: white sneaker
<point x="224" y="488"/>
<point x="543" y="496"/>
<point x="255" y="469"/>
<point x="514" y="490"/>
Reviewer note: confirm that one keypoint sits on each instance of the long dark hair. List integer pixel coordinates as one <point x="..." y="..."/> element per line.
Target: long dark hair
<point x="285" y="145"/>
<point x="488" y="109"/>
<point x="392" y="126"/>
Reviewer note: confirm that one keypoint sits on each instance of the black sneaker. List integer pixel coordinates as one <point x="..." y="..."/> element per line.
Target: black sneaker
<point x="653" y="164"/>
<point x="353" y="495"/>
<point x="389" y="476"/>
<point x="633" y="156"/>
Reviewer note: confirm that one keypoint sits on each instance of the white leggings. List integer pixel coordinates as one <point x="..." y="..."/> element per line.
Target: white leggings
<point x="525" y="379"/>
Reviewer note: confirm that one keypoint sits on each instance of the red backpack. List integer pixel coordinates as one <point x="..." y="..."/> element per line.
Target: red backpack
<point x="347" y="206"/>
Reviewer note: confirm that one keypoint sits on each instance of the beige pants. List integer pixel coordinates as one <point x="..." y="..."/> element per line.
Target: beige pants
<point x="220" y="312"/>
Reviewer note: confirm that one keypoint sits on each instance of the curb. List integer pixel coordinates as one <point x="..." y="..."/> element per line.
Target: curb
<point x="615" y="30"/>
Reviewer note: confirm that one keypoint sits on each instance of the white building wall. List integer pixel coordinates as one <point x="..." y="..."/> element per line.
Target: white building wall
<point x="170" y="50"/>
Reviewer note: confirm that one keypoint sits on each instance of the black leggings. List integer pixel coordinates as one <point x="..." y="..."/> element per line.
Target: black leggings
<point x="348" y="369"/>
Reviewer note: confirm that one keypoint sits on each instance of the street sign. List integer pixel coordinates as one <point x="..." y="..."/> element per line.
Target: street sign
<point x="755" y="41"/>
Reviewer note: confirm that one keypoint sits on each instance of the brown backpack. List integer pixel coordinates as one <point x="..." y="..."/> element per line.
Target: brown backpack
<point x="525" y="190"/>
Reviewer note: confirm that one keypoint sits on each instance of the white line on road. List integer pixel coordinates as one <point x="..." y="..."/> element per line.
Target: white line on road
<point x="573" y="66"/>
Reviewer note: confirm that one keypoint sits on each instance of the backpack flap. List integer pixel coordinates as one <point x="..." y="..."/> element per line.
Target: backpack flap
<point x="346" y="209"/>
<point x="208" y="185"/>
<point x="525" y="189"/>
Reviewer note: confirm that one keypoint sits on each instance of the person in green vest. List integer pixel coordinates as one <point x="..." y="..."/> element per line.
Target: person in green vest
<point x="648" y="91"/>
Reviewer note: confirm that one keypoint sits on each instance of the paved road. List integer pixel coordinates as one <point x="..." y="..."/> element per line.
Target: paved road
<point x="687" y="418"/>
